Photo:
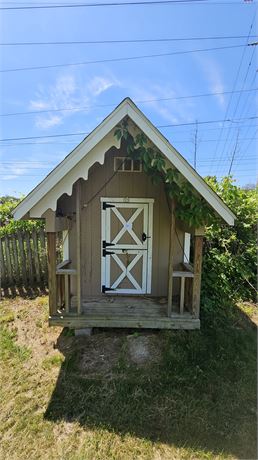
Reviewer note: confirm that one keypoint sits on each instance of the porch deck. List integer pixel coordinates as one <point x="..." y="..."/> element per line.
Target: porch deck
<point x="124" y="312"/>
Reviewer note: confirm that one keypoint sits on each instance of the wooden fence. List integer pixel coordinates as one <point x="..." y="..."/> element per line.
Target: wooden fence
<point x="23" y="260"/>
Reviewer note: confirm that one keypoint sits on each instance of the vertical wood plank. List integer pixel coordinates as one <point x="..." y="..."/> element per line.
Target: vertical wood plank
<point x="16" y="266"/>
<point x="67" y="293"/>
<point x="182" y="295"/>
<point x="51" y="259"/>
<point x="36" y="255"/>
<point x="198" y="243"/>
<point x="2" y="265"/>
<point x="78" y="244"/>
<point x="22" y="257"/>
<point x="170" y="259"/>
<point x="43" y="254"/>
<point x="188" y="293"/>
<point x="8" y="261"/>
<point x="29" y="258"/>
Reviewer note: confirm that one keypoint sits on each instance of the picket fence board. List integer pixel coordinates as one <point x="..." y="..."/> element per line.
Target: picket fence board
<point x="23" y="260"/>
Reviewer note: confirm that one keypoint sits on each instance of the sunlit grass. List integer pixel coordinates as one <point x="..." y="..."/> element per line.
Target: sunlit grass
<point x="197" y="402"/>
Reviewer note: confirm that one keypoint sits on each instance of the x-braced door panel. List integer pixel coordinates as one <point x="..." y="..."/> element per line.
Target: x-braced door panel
<point x="126" y="245"/>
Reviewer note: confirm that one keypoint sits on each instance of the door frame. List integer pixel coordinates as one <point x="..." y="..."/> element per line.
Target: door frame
<point x="149" y="202"/>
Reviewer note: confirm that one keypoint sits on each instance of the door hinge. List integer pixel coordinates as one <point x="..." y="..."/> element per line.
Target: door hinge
<point x="106" y="289"/>
<point x="105" y="244"/>
<point x="106" y="205"/>
<point x="107" y="253"/>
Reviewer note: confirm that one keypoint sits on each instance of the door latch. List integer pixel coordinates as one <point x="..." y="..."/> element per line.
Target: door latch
<point x="144" y="237"/>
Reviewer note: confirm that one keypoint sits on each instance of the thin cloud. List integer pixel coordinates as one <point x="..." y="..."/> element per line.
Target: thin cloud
<point x="67" y="92"/>
<point x="213" y="74"/>
<point x="172" y="111"/>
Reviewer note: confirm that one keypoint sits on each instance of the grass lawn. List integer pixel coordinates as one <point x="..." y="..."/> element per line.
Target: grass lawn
<point x="94" y="398"/>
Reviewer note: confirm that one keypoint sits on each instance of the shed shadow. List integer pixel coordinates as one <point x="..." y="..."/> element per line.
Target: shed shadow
<point x="199" y="393"/>
<point x="26" y="292"/>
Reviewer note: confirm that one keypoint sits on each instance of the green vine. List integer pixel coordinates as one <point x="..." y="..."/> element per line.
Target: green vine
<point x="190" y="206"/>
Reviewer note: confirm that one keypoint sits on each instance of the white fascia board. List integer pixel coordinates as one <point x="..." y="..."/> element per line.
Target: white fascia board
<point x="181" y="164"/>
<point x="78" y="162"/>
<point x="80" y="170"/>
<point x="71" y="161"/>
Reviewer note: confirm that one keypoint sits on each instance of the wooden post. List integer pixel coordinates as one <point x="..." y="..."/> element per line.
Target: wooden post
<point x="67" y="293"/>
<point x="51" y="259"/>
<point x="170" y="260"/>
<point x="182" y="295"/>
<point x="198" y="241"/>
<point x="78" y="244"/>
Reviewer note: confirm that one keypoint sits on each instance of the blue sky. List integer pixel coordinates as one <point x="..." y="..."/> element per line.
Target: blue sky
<point x="25" y="162"/>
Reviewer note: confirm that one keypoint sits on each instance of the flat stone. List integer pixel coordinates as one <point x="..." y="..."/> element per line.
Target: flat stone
<point x="87" y="331"/>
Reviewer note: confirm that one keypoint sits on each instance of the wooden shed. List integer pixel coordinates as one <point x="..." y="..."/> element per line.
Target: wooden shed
<point x="126" y="260"/>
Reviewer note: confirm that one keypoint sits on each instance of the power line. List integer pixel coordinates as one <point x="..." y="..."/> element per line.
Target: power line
<point x="180" y="141"/>
<point x="110" y="4"/>
<point x="10" y="173"/>
<point x="234" y="85"/>
<point x="137" y="40"/>
<point x="236" y="107"/>
<point x="158" y="126"/>
<point x="73" y="142"/>
<point x="120" y="59"/>
<point x="233" y="154"/>
<point x="145" y="101"/>
<point x="42" y="164"/>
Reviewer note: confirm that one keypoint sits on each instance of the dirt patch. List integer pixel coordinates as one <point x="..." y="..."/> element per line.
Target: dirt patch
<point x="143" y="349"/>
<point x="98" y="354"/>
<point x="30" y="324"/>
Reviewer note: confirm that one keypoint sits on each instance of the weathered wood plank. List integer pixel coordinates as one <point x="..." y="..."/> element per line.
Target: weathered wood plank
<point x="43" y="253"/>
<point x="182" y="274"/>
<point x="78" y="245"/>
<point x="36" y="255"/>
<point x="188" y="293"/>
<point x="8" y="261"/>
<point x="29" y="258"/>
<point x="198" y="243"/>
<point x="182" y="295"/>
<point x="170" y="260"/>
<point x="157" y="323"/>
<point x="66" y="271"/>
<point x="2" y="265"/>
<point x="51" y="258"/>
<point x="63" y="264"/>
<point x="67" y="293"/>
<point x="16" y="267"/>
<point x="22" y="257"/>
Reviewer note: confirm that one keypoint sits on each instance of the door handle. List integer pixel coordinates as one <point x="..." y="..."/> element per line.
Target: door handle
<point x="144" y="237"/>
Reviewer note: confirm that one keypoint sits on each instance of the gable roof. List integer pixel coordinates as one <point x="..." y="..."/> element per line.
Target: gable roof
<point x="93" y="148"/>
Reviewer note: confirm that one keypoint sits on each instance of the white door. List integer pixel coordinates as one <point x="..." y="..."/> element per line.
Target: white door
<point x="126" y="258"/>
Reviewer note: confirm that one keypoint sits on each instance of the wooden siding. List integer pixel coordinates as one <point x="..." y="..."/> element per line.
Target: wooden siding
<point x="119" y="185"/>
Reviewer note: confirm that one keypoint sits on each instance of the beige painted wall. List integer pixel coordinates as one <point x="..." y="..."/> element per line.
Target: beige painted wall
<point x="121" y="184"/>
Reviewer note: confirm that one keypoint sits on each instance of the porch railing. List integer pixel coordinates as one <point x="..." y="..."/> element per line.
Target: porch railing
<point x="63" y="283"/>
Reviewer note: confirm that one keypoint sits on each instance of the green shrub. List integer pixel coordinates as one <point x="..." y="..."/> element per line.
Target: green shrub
<point x="229" y="262"/>
<point x="8" y="225"/>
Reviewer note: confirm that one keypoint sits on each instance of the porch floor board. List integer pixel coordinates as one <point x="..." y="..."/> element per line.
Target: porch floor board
<point x="125" y="311"/>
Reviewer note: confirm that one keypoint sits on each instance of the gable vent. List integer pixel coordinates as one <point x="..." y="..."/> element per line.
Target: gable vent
<point x="124" y="164"/>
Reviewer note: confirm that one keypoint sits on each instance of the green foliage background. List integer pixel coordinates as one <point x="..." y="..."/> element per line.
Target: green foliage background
<point x="229" y="262"/>
<point x="9" y="226"/>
